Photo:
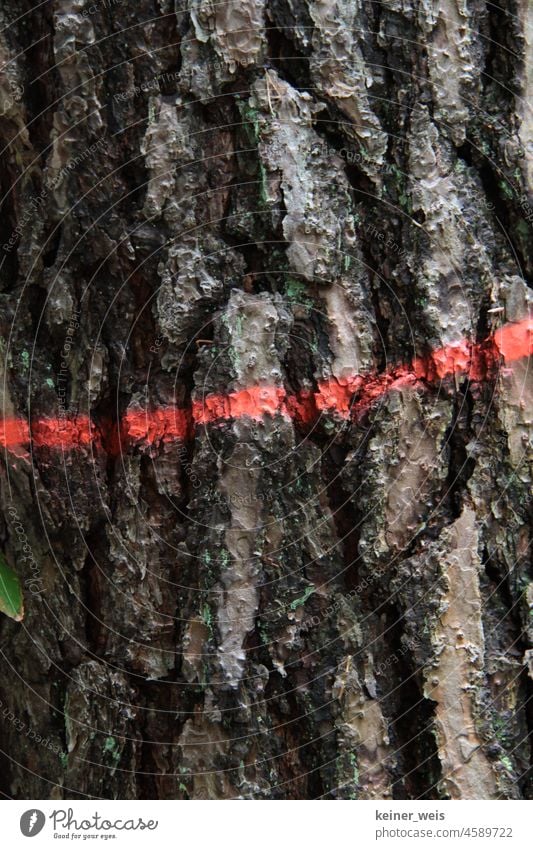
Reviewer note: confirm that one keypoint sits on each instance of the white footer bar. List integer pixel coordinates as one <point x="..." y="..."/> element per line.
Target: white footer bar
<point x="267" y="825"/>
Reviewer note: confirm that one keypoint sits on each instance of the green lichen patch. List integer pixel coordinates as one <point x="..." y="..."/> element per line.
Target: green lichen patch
<point x="296" y="291"/>
<point x="112" y="749"/>
<point x="303" y="598"/>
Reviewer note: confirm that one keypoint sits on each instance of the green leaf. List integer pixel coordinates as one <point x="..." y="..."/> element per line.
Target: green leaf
<point x="11" y="602"/>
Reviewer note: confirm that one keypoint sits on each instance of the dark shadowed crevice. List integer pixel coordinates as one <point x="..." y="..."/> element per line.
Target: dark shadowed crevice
<point x="286" y="54"/>
<point x="347" y="517"/>
<point x="9" y="267"/>
<point x="93" y="583"/>
<point x="41" y="83"/>
<point x="52" y="248"/>
<point x="500" y="44"/>
<point x="527" y="779"/>
<point x="460" y="464"/>
<point x="504" y="201"/>
<point x="411" y="715"/>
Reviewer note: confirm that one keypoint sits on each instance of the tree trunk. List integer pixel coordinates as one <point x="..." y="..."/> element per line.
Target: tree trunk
<point x="266" y="399"/>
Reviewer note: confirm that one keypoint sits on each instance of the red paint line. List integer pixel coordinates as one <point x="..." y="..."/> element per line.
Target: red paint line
<point x="254" y="403"/>
<point x="349" y="398"/>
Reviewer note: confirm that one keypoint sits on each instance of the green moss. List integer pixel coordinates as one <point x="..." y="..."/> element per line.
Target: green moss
<point x="405" y="202"/>
<point x="110" y="745"/>
<point x="250" y="118"/>
<point x="355" y="772"/>
<point x="152" y="110"/>
<point x="111" y="748"/>
<point x="263" y="196"/>
<point x="522" y="229"/>
<point x="296" y="291"/>
<point x="299" y="601"/>
<point x="397" y="174"/>
<point x="224" y="557"/>
<point x="506" y="761"/>
<point x="501" y="730"/>
<point x="207" y="617"/>
<point x="205" y="672"/>
<point x="507" y="189"/>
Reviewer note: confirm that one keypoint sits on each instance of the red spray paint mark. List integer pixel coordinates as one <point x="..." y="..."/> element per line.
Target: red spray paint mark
<point x="254" y="403"/>
<point x="349" y="398"/>
<point x="166" y="424"/>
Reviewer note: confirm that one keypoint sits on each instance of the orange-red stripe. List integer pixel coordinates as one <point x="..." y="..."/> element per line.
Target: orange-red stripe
<point x="348" y="398"/>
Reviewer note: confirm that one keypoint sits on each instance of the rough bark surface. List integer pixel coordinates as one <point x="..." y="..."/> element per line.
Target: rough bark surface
<point x="199" y="198"/>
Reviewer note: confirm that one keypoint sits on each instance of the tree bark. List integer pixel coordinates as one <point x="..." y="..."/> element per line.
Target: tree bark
<point x="321" y="588"/>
